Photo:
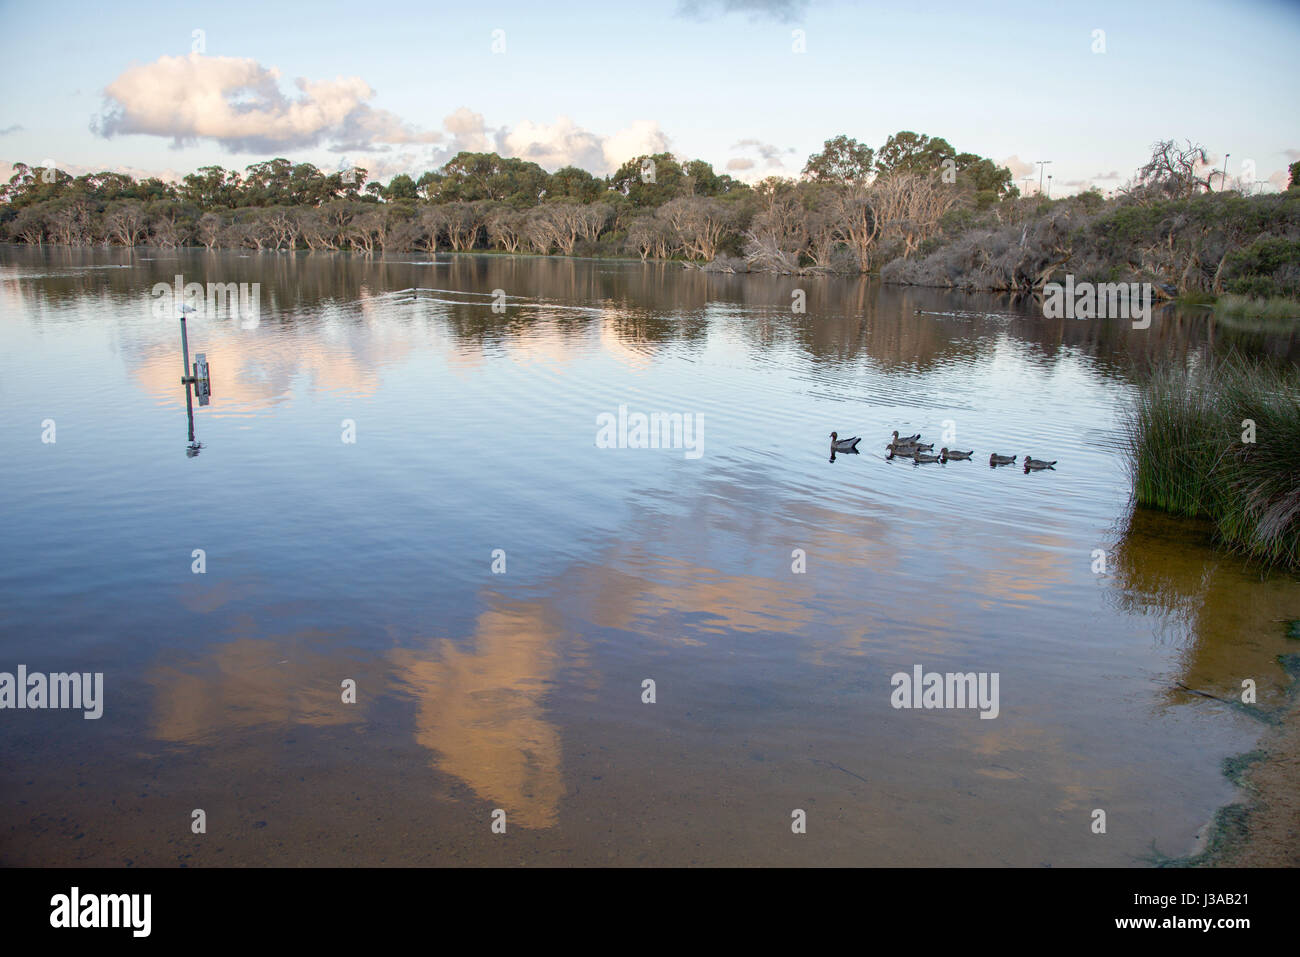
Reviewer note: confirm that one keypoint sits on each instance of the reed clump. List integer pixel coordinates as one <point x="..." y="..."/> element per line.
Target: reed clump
<point x="1276" y="307"/>
<point x="1222" y="441"/>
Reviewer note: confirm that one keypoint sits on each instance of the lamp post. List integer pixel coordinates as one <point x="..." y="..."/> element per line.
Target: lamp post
<point x="1042" y="166"/>
<point x="1049" y="185"/>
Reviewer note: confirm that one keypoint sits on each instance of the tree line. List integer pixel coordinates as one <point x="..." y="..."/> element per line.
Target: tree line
<point x="915" y="210"/>
<point x="851" y="201"/>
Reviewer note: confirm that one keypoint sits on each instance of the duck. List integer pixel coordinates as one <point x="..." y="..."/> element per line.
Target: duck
<point x="945" y="455"/>
<point x="996" y="459"/>
<point x="907" y="451"/>
<point x="905" y="439"/>
<point x="920" y="457"/>
<point x="1037" y="465"/>
<point x="844" y="445"/>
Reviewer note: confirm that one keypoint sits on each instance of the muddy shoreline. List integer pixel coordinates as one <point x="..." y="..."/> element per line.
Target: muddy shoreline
<point x="1262" y="828"/>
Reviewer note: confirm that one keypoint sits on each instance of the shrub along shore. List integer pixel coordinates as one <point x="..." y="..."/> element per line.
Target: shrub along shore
<point x="1221" y="441"/>
<point x="915" y="211"/>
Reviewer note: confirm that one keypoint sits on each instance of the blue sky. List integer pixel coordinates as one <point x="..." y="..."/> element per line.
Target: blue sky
<point x="593" y="83"/>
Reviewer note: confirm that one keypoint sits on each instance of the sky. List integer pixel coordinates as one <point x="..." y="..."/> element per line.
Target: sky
<point x="751" y="86"/>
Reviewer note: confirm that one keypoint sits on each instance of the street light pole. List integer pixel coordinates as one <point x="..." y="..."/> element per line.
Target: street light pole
<point x="1042" y="166"/>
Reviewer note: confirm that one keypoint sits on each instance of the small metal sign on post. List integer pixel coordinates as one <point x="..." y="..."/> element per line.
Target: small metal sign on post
<point x="202" y="383"/>
<point x="197" y="381"/>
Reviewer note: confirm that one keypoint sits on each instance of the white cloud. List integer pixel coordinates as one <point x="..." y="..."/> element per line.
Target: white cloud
<point x="747" y="167"/>
<point x="238" y="103"/>
<point x="1018" y="166"/>
<point x="550" y="145"/>
<point x="468" y="132"/>
<point x="555" y="145"/>
<point x="784" y="11"/>
<point x="642" y="137"/>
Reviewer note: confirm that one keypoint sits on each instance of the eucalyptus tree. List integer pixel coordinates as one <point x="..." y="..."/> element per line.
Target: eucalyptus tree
<point x="856" y="221"/>
<point x="209" y="229"/>
<point x="576" y="185"/>
<point x="648" y="235"/>
<point x="401" y="187"/>
<point x="211" y="187"/>
<point x="464" y="222"/>
<point x="70" y="223"/>
<point x="699" y="179"/>
<point x="842" y="160"/>
<point x="30" y="226"/>
<point x="651" y="179"/>
<point x="170" y="223"/>
<point x="594" y="217"/>
<point x="267" y="183"/>
<point x="126" y="222"/>
<point x="1172" y="172"/>
<point x="505" y="227"/>
<point x="470" y="177"/>
<point x="908" y="152"/>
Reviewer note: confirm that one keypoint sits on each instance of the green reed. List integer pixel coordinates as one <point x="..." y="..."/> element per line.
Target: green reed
<point x="1240" y="306"/>
<point x="1188" y="437"/>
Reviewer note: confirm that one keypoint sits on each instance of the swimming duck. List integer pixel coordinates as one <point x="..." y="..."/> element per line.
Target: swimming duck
<point x="1037" y="465"/>
<point x="844" y="445"/>
<point x="905" y="439"/>
<point x="996" y="459"/>
<point x="920" y="457"/>
<point x="945" y="455"/>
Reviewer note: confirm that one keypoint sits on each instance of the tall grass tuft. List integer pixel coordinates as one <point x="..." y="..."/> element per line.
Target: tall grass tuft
<point x="1188" y="437"/>
<point x="1247" y="307"/>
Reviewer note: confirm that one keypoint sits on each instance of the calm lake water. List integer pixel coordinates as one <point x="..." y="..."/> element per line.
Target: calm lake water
<point x="521" y="689"/>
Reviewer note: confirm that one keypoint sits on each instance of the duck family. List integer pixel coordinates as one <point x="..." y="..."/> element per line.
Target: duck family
<point x="911" y="447"/>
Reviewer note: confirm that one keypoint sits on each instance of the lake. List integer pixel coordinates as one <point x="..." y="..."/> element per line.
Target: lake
<point x="404" y="491"/>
